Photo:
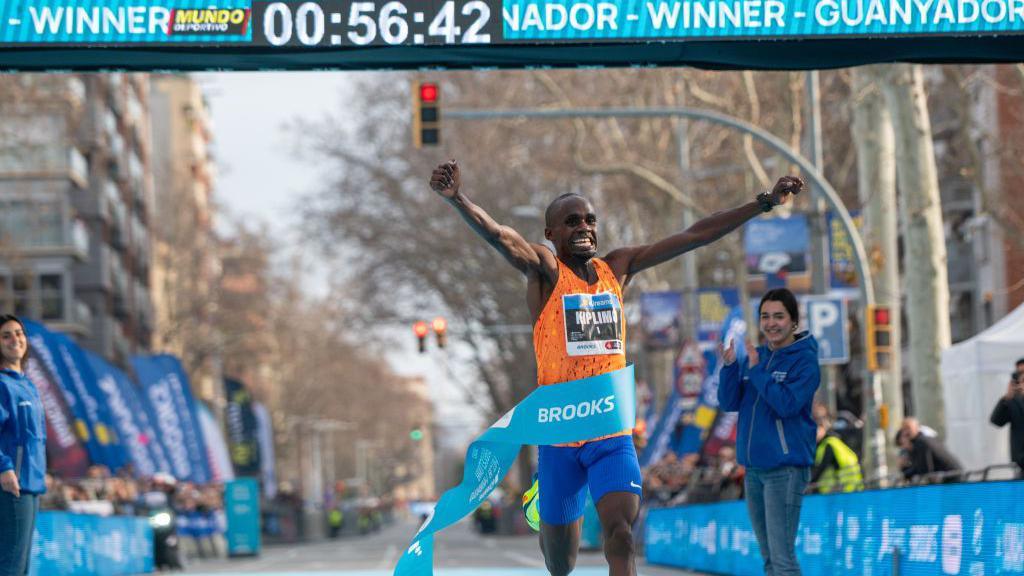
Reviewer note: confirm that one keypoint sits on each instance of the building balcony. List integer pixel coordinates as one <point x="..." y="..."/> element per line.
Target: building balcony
<point x="39" y="229"/>
<point x="77" y="323"/>
<point x="46" y="161"/>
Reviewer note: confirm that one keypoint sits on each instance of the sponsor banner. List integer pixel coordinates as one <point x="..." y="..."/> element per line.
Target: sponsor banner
<point x="125" y="22"/>
<point x="566" y="412"/>
<point x="93" y="431"/>
<point x="172" y="409"/>
<point x="242" y="508"/>
<point x="265" y="433"/>
<point x="660" y="439"/>
<point x="65" y="453"/>
<point x="949" y="529"/>
<point x="660" y="314"/>
<point x="84" y="381"/>
<point x="86" y="544"/>
<point x="844" y="272"/>
<point x="216" y="448"/>
<point x="777" y="252"/>
<point x="131" y="420"/>
<point x="721" y="431"/>
<point x="242" y="427"/>
<point x="715" y="305"/>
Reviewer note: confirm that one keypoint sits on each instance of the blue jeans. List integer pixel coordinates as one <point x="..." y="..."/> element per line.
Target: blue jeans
<point x="773" y="501"/>
<point x="17" y="522"/>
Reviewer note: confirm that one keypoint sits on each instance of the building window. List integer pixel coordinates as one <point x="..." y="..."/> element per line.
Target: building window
<point x="51" y="296"/>
<point x="22" y="294"/>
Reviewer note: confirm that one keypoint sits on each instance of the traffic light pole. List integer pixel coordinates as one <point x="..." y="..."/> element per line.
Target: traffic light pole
<point x="874" y="454"/>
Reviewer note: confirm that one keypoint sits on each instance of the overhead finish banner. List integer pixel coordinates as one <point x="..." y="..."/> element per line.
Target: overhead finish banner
<point x="249" y="34"/>
<point x="166" y="389"/>
<point x="146" y="451"/>
<point x="91" y="421"/>
<point x="348" y="24"/>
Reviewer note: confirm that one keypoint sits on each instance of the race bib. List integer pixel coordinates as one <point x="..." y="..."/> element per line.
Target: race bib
<point x="593" y="324"/>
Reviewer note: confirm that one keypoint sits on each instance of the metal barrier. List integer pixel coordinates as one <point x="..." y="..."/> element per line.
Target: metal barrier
<point x="966" y="528"/>
<point x="67" y="544"/>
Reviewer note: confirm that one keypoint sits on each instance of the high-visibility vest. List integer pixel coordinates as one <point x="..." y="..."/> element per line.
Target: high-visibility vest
<point x="846" y="476"/>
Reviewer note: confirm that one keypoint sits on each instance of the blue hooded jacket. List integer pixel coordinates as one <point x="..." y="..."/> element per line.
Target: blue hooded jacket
<point x="22" y="431"/>
<point x="774" y="401"/>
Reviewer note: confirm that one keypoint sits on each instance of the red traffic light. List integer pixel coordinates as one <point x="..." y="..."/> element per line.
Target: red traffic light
<point x="420" y="328"/>
<point x="439" y="324"/>
<point x="428" y="92"/>
<point x="881" y="316"/>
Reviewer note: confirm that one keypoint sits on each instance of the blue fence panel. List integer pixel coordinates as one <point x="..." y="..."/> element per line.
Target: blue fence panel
<point x="952" y="529"/>
<point x="68" y="544"/>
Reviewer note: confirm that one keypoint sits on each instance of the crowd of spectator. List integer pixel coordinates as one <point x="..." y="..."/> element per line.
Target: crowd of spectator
<point x="922" y="457"/>
<point x="198" y="510"/>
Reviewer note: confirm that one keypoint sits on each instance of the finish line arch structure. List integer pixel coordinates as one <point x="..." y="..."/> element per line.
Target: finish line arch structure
<point x="90" y="35"/>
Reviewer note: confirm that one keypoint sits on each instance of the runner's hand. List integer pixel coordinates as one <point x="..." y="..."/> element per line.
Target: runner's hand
<point x="784" y="187"/>
<point x="9" y="483"/>
<point x="446" y="179"/>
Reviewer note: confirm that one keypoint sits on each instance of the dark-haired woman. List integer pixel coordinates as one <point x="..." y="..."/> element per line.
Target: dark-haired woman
<point x="22" y="450"/>
<point x="773" y="392"/>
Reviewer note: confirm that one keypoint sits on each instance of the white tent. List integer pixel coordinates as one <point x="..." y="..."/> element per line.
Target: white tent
<point x="975" y="374"/>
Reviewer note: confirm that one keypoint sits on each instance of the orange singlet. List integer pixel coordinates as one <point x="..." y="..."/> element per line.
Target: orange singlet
<point x="581" y="331"/>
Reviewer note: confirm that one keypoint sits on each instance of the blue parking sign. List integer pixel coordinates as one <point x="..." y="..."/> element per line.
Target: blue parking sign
<point x="827" y="322"/>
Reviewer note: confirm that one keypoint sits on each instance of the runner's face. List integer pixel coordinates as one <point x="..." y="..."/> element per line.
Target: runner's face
<point x="574" y="229"/>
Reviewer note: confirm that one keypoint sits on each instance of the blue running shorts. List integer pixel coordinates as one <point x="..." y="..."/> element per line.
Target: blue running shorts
<point x="608" y="465"/>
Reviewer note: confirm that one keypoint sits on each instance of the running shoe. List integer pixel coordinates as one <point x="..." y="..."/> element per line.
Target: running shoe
<point x="531" y="501"/>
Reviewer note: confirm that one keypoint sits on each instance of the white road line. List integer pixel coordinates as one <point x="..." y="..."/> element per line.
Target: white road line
<point x="388" y="561"/>
<point x="523" y="559"/>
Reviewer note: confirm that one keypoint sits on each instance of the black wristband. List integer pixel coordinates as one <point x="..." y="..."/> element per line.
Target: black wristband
<point x="764" y="200"/>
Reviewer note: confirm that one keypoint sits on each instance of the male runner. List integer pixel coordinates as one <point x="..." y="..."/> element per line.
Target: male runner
<point x="575" y="301"/>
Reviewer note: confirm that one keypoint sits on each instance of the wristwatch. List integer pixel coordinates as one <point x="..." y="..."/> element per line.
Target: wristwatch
<point x="764" y="200"/>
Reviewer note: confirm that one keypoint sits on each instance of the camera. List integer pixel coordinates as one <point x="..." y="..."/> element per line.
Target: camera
<point x="1015" y="377"/>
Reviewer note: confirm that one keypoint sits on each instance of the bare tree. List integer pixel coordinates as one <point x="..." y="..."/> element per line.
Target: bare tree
<point x="926" y="277"/>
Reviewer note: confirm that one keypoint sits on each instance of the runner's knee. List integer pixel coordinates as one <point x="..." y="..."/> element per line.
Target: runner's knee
<point x="560" y="564"/>
<point x="618" y="539"/>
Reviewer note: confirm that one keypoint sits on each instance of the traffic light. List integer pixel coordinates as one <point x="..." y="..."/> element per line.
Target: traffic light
<point x="420" y="329"/>
<point x="440" y="326"/>
<point x="416" y="434"/>
<point x="426" y="114"/>
<point x="879" y="337"/>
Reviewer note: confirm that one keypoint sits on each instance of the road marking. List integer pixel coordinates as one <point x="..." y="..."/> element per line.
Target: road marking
<point x="532" y="561"/>
<point x="388" y="561"/>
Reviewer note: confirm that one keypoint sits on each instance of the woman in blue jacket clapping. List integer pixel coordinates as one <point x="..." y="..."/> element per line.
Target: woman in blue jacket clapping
<point x="22" y="450"/>
<point x="775" y="438"/>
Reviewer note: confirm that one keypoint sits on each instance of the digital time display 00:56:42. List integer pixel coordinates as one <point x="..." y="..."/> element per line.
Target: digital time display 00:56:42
<point x="326" y="23"/>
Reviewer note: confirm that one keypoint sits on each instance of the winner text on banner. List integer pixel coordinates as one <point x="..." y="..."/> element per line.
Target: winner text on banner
<point x="566" y="412"/>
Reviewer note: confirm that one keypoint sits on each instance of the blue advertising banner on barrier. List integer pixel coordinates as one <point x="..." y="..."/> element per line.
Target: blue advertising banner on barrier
<point x="242" y="507"/>
<point x="951" y="529"/>
<point x="68" y="544"/>
<point x="166" y="389"/>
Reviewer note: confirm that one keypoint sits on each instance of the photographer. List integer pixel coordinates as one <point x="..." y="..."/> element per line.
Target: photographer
<point x="1010" y="408"/>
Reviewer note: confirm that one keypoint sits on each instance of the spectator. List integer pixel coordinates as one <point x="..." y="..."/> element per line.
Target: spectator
<point x="836" y="466"/>
<point x="22" y="450"/>
<point x="926" y="458"/>
<point x="1010" y="409"/>
<point x="773" y="392"/>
